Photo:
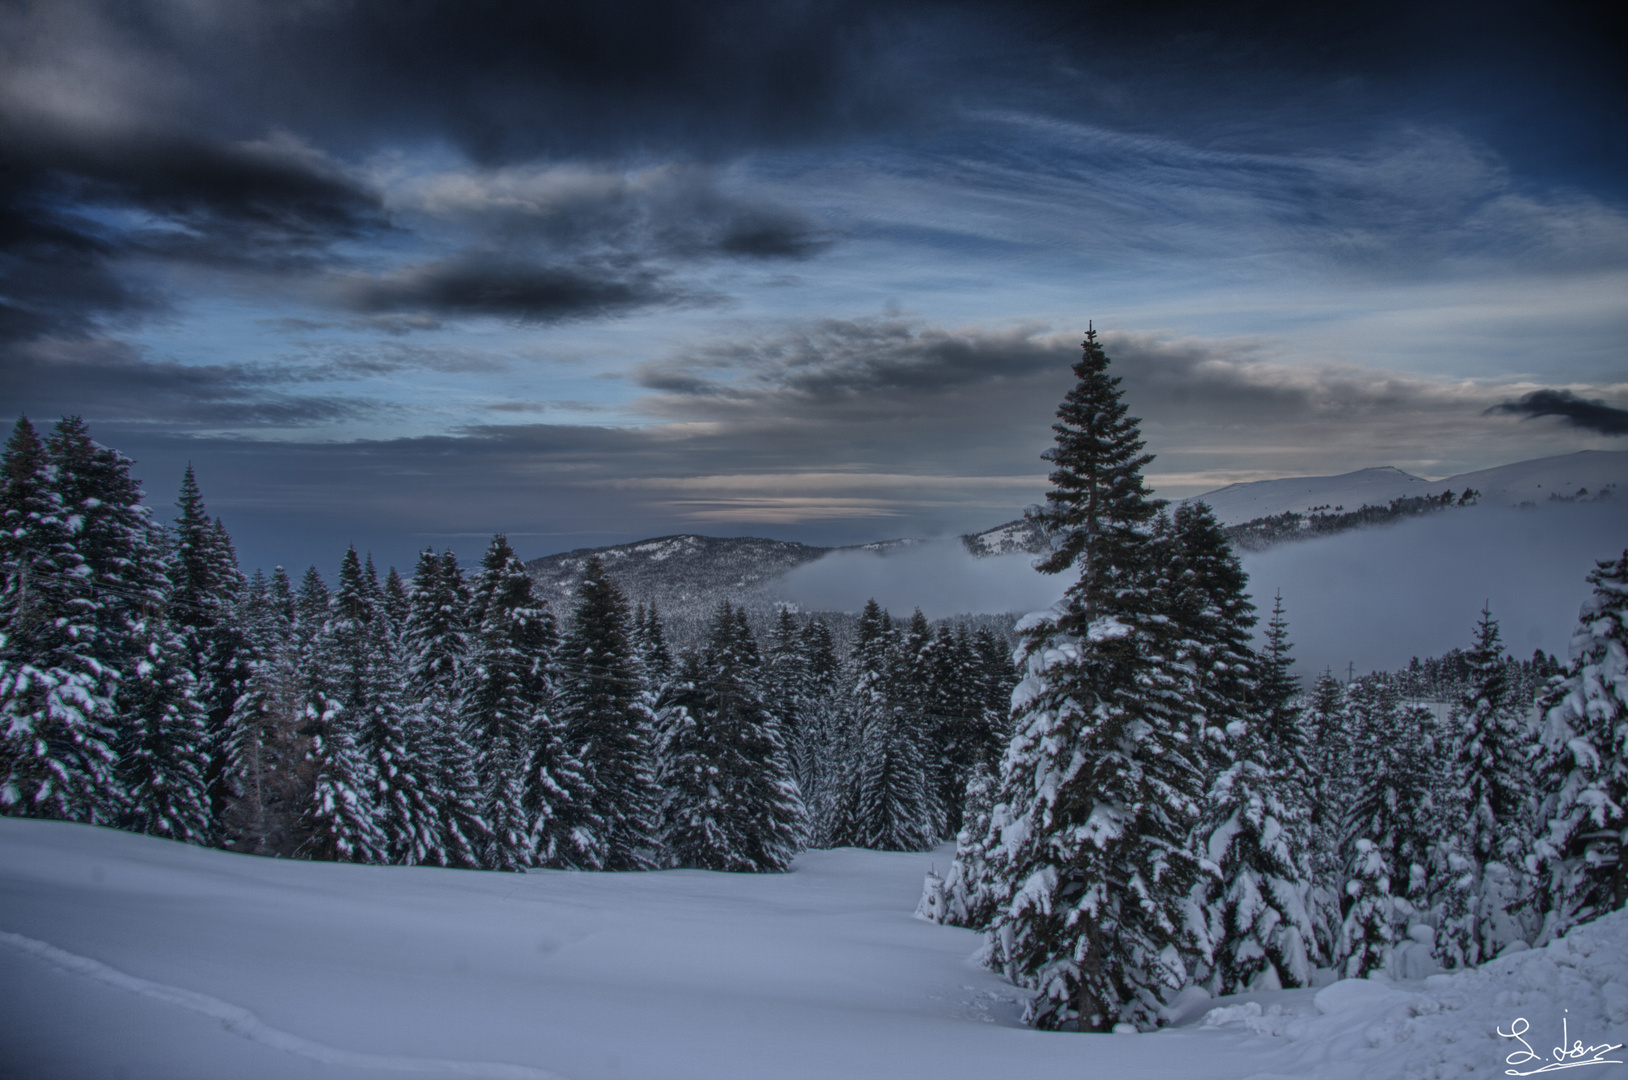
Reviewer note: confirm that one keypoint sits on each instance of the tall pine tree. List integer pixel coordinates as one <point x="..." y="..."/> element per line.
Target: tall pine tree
<point x="1581" y="854"/>
<point x="1101" y="783"/>
<point x="729" y="799"/>
<point x="610" y="723"/>
<point x="56" y="704"/>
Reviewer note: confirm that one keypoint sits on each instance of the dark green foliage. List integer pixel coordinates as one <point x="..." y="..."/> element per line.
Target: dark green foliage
<point x="343" y="701"/>
<point x="506" y="697"/>
<point x="1101" y="783"/>
<point x="206" y="584"/>
<point x="729" y="799"/>
<point x="606" y="709"/>
<point x="435" y="649"/>
<point x="267" y="757"/>
<point x="56" y="682"/>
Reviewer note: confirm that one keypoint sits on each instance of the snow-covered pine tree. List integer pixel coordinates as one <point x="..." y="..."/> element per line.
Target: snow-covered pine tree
<point x="910" y="691"/>
<point x="1254" y="833"/>
<point x="56" y="709"/>
<point x="608" y="715"/>
<point x="159" y="726"/>
<point x="822" y="747"/>
<point x="1330" y="788"/>
<point x="1491" y="773"/>
<point x="970" y="893"/>
<point x="958" y="721"/>
<point x="266" y="754"/>
<point x="729" y="799"/>
<point x="1398" y="762"/>
<point x="339" y="823"/>
<point x="392" y="735"/>
<point x="205" y="586"/>
<point x="1210" y="605"/>
<point x="506" y="700"/>
<point x="652" y="643"/>
<point x="1581" y="855"/>
<point x="434" y="641"/>
<point x="1373" y="914"/>
<point x="888" y="800"/>
<point x="999" y="677"/>
<point x="1101" y="783"/>
<point x="785" y="680"/>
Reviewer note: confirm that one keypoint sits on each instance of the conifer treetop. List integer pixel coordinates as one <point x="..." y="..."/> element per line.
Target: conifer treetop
<point x="1098" y="503"/>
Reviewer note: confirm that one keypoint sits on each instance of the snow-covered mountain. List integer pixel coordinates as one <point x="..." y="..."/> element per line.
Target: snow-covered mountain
<point x="1587" y="471"/>
<point x="688" y="575"/>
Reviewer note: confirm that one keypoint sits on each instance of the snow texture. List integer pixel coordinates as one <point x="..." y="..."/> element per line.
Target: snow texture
<point x="131" y="956"/>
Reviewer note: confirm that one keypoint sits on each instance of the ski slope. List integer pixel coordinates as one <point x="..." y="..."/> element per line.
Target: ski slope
<point x="125" y="956"/>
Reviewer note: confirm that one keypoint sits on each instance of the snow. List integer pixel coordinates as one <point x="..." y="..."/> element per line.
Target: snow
<point x="129" y="956"/>
<point x="1507" y="485"/>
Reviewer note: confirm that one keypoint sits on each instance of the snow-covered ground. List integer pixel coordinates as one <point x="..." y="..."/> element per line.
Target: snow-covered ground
<point x="124" y="956"/>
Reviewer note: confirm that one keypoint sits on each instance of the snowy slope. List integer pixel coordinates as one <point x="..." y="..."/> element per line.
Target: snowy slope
<point x="133" y="957"/>
<point x="1524" y="481"/>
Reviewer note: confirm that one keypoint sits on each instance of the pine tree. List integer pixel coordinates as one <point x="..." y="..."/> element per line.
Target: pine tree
<point x="1580" y="854"/>
<point x="206" y="583"/>
<point x="506" y="700"/>
<point x="885" y="798"/>
<point x="1101" y="782"/>
<point x="652" y="645"/>
<point x="159" y="728"/>
<point x="339" y="823"/>
<point x="266" y="754"/>
<point x="1210" y="605"/>
<point x="729" y="799"/>
<point x="1255" y="835"/>
<point x="1493" y="794"/>
<point x="1397" y="770"/>
<point x="434" y="641"/>
<point x="959" y="723"/>
<point x="1330" y="789"/>
<point x="608" y="715"/>
<point x="971" y="895"/>
<point x="821" y="745"/>
<point x="56" y="711"/>
<point x="1373" y="914"/>
<point x="392" y="735"/>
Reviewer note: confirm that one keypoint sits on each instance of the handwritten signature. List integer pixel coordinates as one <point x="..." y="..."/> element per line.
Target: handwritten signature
<point x="1563" y="1057"/>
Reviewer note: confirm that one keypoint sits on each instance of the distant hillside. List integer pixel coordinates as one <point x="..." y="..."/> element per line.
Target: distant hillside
<point x="686" y="576"/>
<point x="1267" y="512"/>
<point x="1588" y="471"/>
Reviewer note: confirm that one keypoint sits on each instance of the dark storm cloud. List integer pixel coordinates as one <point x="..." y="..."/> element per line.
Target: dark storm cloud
<point x="668" y="210"/>
<point x="852" y="363"/>
<point x="1577" y="411"/>
<point x="509" y="288"/>
<point x="81" y="210"/>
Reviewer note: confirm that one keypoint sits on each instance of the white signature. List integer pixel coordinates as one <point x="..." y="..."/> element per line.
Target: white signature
<point x="1564" y="1057"/>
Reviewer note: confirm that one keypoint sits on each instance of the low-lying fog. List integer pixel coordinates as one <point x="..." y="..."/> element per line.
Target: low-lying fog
<point x="1372" y="597"/>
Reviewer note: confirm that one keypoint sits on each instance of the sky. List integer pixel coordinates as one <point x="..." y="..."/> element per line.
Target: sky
<point x="407" y="275"/>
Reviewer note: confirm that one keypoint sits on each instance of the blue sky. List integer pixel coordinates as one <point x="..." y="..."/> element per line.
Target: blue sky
<point x="586" y="273"/>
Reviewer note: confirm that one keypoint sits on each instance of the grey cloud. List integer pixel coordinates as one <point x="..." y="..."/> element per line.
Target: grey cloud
<point x="510" y="288"/>
<point x="854" y="363"/>
<point x="680" y="211"/>
<point x="111" y="381"/>
<point x="1579" y="412"/>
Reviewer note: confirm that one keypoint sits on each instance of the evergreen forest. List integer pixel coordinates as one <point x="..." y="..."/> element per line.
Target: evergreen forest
<point x="1146" y="801"/>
